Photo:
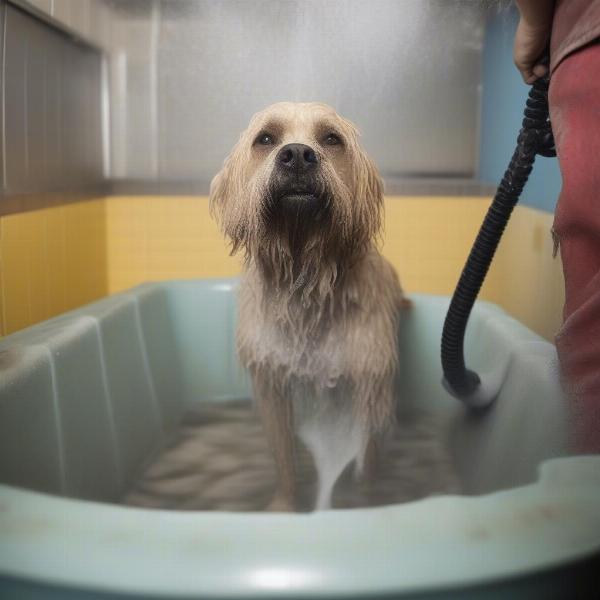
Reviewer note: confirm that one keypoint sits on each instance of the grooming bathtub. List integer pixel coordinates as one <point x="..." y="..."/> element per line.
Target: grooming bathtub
<point x="87" y="396"/>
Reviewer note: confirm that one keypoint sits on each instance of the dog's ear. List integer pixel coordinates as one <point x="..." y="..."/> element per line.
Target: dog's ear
<point x="369" y="194"/>
<point x="227" y="187"/>
<point x="369" y="183"/>
<point x="226" y="190"/>
<point x="220" y="190"/>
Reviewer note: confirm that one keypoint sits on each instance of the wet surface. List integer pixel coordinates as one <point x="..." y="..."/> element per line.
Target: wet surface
<point x="219" y="460"/>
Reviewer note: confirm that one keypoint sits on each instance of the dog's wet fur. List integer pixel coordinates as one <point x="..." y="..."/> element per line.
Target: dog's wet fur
<point x="319" y="306"/>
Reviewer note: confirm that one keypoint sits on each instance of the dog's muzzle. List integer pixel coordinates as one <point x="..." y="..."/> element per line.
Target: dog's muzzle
<point x="296" y="184"/>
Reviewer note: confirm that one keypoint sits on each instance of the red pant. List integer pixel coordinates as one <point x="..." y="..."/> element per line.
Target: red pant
<point x="575" y="114"/>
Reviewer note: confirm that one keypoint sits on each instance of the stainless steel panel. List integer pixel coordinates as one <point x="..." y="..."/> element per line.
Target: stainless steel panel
<point x="407" y="72"/>
<point x="69" y="105"/>
<point x="52" y="108"/>
<point x="15" y="99"/>
<point x="43" y="5"/>
<point x="92" y="115"/>
<point x="134" y="96"/>
<point x="80" y="16"/>
<point x="2" y="140"/>
<point x="85" y="20"/>
<point x="100" y="24"/>
<point x="36" y="38"/>
<point x="61" y="11"/>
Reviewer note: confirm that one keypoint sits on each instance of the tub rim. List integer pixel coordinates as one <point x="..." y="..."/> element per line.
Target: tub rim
<point x="468" y="541"/>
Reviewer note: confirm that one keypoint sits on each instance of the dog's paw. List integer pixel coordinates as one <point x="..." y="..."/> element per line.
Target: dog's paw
<point x="281" y="503"/>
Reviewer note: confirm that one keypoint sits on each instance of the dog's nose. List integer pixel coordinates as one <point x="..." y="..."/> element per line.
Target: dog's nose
<point x="297" y="157"/>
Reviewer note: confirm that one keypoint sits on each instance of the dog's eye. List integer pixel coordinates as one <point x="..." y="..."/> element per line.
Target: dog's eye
<point x="265" y="139"/>
<point x="332" y="140"/>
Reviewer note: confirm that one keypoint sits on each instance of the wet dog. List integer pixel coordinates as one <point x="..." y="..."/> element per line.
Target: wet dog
<point x="319" y="305"/>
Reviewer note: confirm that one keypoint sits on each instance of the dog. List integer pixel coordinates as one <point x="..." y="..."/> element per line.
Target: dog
<point x="319" y="306"/>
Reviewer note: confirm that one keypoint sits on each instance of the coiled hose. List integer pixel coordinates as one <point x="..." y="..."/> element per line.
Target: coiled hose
<point x="534" y="138"/>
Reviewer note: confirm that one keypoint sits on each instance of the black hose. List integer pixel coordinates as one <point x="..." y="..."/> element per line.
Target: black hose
<point x="534" y="138"/>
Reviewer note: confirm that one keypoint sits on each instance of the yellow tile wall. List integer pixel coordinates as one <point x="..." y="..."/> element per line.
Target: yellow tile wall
<point x="58" y="258"/>
<point x="529" y="282"/>
<point x="153" y="238"/>
<point x="428" y="239"/>
<point x="52" y="260"/>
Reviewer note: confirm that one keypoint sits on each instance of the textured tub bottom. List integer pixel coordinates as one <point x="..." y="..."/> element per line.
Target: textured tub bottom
<point x="219" y="460"/>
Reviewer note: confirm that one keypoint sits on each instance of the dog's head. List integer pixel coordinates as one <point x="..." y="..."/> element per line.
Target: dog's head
<point x="298" y="182"/>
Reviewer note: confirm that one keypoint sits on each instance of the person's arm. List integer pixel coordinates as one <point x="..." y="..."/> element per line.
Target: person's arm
<point x="531" y="39"/>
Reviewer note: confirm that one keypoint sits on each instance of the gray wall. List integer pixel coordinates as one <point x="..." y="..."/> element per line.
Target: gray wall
<point x="51" y="107"/>
<point x="187" y="75"/>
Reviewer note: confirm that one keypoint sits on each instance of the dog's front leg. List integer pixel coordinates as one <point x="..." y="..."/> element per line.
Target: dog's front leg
<point x="377" y="410"/>
<point x="367" y="465"/>
<point x="276" y="413"/>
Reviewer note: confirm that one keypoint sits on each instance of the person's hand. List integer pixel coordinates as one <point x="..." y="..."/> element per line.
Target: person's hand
<point x="530" y="43"/>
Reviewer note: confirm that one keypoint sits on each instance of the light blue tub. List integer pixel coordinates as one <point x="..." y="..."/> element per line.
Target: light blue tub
<point x="86" y="397"/>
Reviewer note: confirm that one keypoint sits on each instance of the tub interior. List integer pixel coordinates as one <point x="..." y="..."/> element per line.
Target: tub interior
<point x="87" y="397"/>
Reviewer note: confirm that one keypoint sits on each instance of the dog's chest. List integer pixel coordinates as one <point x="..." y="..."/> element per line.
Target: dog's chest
<point x="321" y="356"/>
